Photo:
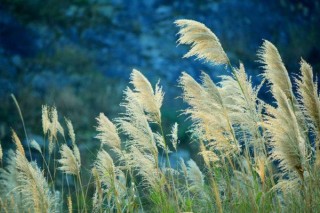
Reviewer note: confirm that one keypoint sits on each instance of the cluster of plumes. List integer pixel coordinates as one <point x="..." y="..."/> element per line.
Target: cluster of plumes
<point x="227" y="119"/>
<point x="244" y="107"/>
<point x="51" y="125"/>
<point x="70" y="161"/>
<point x="142" y="105"/>
<point x="209" y="115"/>
<point x="24" y="182"/>
<point x="285" y="123"/>
<point x="223" y="115"/>
<point x="137" y="153"/>
<point x="109" y="179"/>
<point x="231" y="112"/>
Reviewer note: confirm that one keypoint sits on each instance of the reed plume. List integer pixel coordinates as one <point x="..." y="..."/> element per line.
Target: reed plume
<point x="204" y="43"/>
<point x="35" y="146"/>
<point x="1" y="152"/>
<point x="45" y="119"/>
<point x="8" y="179"/>
<point x="105" y="168"/>
<point x="150" y="100"/>
<point x="71" y="133"/>
<point x="108" y="133"/>
<point x="286" y="138"/>
<point x="69" y="161"/>
<point x="274" y="70"/>
<point x="146" y="166"/>
<point x="195" y="177"/>
<point x="32" y="185"/>
<point x="174" y="136"/>
<point x="204" y="99"/>
<point x="51" y="125"/>
<point x="309" y="102"/>
<point x="17" y="142"/>
<point x="244" y="107"/>
<point x="109" y="179"/>
<point x="135" y="125"/>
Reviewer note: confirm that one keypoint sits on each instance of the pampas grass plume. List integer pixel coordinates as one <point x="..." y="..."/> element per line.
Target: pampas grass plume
<point x="204" y="43"/>
<point x="69" y="162"/>
<point x="274" y="69"/>
<point x="17" y="141"/>
<point x="108" y="133"/>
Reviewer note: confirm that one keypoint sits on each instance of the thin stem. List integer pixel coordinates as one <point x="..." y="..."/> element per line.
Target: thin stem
<point x="22" y="120"/>
<point x="83" y="197"/>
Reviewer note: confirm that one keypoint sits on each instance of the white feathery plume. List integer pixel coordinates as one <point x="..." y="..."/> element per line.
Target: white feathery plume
<point x="55" y="124"/>
<point x="244" y="106"/>
<point x="18" y="143"/>
<point x="33" y="187"/>
<point x="274" y="70"/>
<point x="289" y="185"/>
<point x="204" y="43"/>
<point x="71" y="133"/>
<point x="105" y="168"/>
<point x="97" y="198"/>
<point x="110" y="176"/>
<point x="183" y="167"/>
<point x="310" y="102"/>
<point x="51" y="125"/>
<point x="1" y="152"/>
<point x="308" y="93"/>
<point x="108" y="133"/>
<point x="35" y="145"/>
<point x="69" y="162"/>
<point x="8" y="178"/>
<point x="174" y="136"/>
<point x="150" y="100"/>
<point x="160" y="142"/>
<point x="286" y="138"/>
<point x="135" y="125"/>
<point x="145" y="165"/>
<point x="210" y="119"/>
<point x="45" y="119"/>
<point x="195" y="177"/>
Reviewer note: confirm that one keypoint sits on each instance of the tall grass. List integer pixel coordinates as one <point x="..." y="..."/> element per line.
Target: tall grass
<point x="257" y="157"/>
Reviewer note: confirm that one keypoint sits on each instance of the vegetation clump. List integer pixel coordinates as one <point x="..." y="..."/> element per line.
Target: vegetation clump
<point x="257" y="157"/>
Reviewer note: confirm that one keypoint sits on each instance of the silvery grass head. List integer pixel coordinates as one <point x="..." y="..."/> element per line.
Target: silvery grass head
<point x="25" y="182"/>
<point x="204" y="43"/>
<point x="70" y="160"/>
<point x="110" y="176"/>
<point x="108" y="133"/>
<point x="286" y="137"/>
<point x="274" y="70"/>
<point x="35" y="192"/>
<point x="51" y="125"/>
<point x="208" y="113"/>
<point x="308" y="95"/>
<point x="150" y="100"/>
<point x="310" y="103"/>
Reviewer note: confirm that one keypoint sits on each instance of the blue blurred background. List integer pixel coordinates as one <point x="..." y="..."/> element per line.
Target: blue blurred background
<point x="78" y="54"/>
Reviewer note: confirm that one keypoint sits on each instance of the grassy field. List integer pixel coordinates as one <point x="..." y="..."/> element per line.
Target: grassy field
<point x="255" y="156"/>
